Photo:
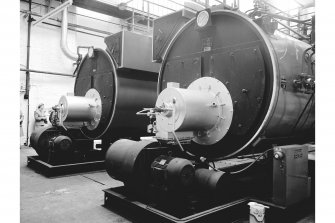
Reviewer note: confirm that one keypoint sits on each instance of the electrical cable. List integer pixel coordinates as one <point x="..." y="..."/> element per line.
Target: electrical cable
<point x="246" y="12"/>
<point x="301" y="114"/>
<point x="181" y="147"/>
<point x="247" y="167"/>
<point x="309" y="112"/>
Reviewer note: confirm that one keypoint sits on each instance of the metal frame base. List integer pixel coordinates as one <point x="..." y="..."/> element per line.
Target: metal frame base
<point x="117" y="200"/>
<point x="49" y="170"/>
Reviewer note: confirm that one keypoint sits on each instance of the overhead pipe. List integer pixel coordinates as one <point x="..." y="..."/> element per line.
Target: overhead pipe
<point x="47" y="72"/>
<point x="63" y="43"/>
<point x="54" y="12"/>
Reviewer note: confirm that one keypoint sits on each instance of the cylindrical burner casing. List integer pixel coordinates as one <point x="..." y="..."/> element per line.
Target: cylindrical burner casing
<point x="76" y="108"/>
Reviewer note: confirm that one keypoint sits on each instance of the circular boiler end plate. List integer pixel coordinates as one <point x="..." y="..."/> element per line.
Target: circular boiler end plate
<point x="96" y="108"/>
<point x="224" y="117"/>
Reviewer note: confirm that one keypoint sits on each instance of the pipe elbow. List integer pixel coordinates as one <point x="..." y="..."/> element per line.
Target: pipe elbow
<point x="63" y="42"/>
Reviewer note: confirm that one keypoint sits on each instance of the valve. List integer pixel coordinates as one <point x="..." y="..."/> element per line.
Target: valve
<point x="278" y="155"/>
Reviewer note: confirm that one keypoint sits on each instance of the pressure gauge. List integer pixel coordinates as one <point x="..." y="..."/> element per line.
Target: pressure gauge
<point x="202" y="18"/>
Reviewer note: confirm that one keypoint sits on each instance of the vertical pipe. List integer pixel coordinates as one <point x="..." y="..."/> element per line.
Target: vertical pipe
<point x="133" y="20"/>
<point x="26" y="95"/>
<point x="148" y="8"/>
<point x="63" y="42"/>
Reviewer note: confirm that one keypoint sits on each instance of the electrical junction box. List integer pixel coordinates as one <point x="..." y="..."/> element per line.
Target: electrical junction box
<point x="291" y="183"/>
<point x="132" y="50"/>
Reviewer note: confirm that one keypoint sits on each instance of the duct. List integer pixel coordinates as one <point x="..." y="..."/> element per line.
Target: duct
<point x="63" y="43"/>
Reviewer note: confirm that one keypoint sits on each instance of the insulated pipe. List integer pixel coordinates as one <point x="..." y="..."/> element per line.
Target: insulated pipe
<point x="63" y="42"/>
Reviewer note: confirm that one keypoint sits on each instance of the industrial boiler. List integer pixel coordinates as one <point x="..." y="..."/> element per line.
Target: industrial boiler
<point x="110" y="86"/>
<point x="233" y="119"/>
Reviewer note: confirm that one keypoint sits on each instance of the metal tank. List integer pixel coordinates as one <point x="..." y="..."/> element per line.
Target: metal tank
<point x="119" y="92"/>
<point x="103" y="106"/>
<point x="269" y="79"/>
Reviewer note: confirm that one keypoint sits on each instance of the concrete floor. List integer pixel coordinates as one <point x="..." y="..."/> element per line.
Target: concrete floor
<point x="75" y="198"/>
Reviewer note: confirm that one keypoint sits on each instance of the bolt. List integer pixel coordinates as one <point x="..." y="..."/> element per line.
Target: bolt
<point x="244" y="91"/>
<point x="255" y="50"/>
<point x="235" y="102"/>
<point x="227" y="83"/>
<point x="239" y="125"/>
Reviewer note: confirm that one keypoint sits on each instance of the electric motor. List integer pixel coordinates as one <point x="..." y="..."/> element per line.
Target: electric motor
<point x="62" y="143"/>
<point x="172" y="172"/>
<point x="48" y="139"/>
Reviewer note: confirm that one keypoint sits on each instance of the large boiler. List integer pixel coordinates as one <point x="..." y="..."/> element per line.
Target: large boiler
<point x="110" y="87"/>
<point x="228" y="87"/>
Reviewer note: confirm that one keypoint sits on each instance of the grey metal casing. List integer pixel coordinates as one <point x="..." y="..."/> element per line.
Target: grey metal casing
<point x="165" y="27"/>
<point x="290" y="175"/>
<point x="132" y="50"/>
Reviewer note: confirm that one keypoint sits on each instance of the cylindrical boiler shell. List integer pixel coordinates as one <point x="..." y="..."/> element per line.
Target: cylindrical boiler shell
<point x="258" y="70"/>
<point x="123" y="92"/>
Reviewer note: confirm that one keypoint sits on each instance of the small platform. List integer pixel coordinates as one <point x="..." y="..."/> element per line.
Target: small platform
<point x="116" y="199"/>
<point x="49" y="170"/>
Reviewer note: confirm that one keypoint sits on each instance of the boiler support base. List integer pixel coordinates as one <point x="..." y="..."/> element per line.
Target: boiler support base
<point x="119" y="200"/>
<point x="49" y="170"/>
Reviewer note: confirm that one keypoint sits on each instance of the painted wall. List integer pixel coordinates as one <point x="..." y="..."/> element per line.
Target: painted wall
<point x="46" y="55"/>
